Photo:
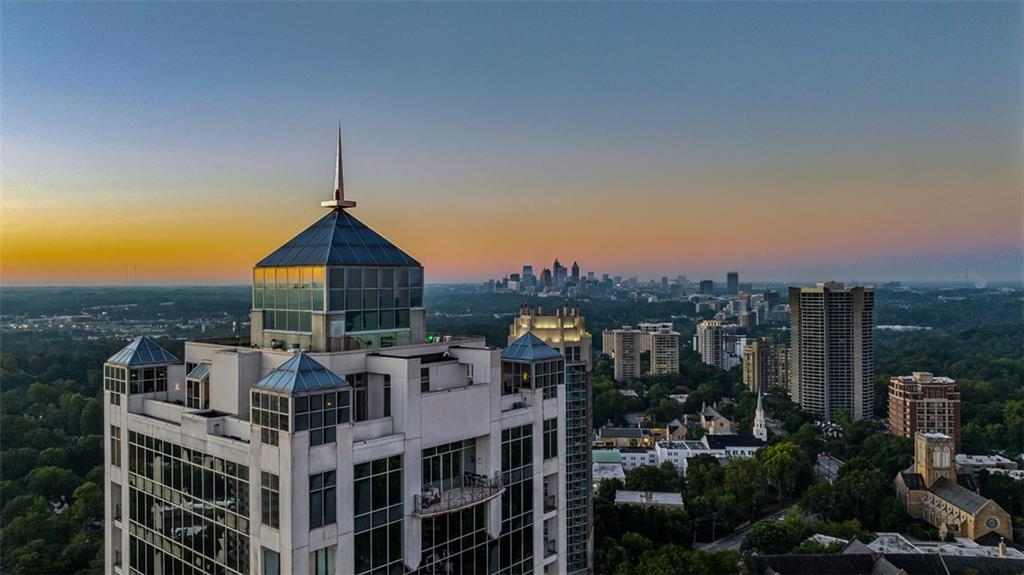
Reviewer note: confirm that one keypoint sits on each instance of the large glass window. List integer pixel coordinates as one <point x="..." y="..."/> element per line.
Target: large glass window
<point x="322" y="499"/>
<point x="115" y="446"/>
<point x="516" y="539"/>
<point x="270" y="499"/>
<point x="188" y="510"/>
<point x="378" y="515"/>
<point x="322" y="561"/>
<point x="375" y="298"/>
<point x="288" y="296"/>
<point x="550" y="438"/>
<point x="321" y="413"/>
<point x="445" y="466"/>
<point x="456" y="543"/>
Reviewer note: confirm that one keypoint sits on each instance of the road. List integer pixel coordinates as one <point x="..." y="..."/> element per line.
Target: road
<point x="733" y="541"/>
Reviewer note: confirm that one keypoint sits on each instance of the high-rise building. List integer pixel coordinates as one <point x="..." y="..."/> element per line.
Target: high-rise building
<point x="926" y="403"/>
<point x="295" y="453"/>
<point x="529" y="280"/>
<point x="662" y="343"/>
<point x="575" y="272"/>
<point x="546" y="282"/>
<point x="708" y="343"/>
<point x="707" y="287"/>
<point x="566" y="331"/>
<point x="559" y="274"/>
<point x="732" y="283"/>
<point x="832" y="356"/>
<point x="624" y="346"/>
<point x="765" y="365"/>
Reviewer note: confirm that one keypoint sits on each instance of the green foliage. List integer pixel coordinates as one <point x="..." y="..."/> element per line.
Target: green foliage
<point x="777" y="536"/>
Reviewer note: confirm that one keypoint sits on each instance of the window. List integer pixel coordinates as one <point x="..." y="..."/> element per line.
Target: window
<point x="288" y="296"/>
<point x="147" y="379"/>
<point x="444" y="466"/>
<point x="550" y="438"/>
<point x="270" y="411"/>
<point x="115" y="446"/>
<point x="424" y="379"/>
<point x="387" y="395"/>
<point x="320" y="414"/>
<point x="115" y="398"/>
<point x="271" y="562"/>
<point x="377" y="496"/>
<point x="270" y="500"/>
<point x="322" y="561"/>
<point x="362" y="399"/>
<point x="322" y="505"/>
<point x="516" y="539"/>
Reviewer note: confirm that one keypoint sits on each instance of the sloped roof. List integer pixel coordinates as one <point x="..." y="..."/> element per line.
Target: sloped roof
<point x="300" y="374"/>
<point x="529" y="348"/>
<point x="338" y="239"/>
<point x="958" y="495"/>
<point x="142" y="351"/>
<point x="731" y="440"/>
<point x="199" y="372"/>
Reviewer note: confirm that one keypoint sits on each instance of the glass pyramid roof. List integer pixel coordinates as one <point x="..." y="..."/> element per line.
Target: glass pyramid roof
<point x="338" y="239"/>
<point x="300" y="374"/>
<point x="529" y="348"/>
<point x="142" y="351"/>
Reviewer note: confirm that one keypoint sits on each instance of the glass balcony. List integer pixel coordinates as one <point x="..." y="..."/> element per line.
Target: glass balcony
<point x="475" y="489"/>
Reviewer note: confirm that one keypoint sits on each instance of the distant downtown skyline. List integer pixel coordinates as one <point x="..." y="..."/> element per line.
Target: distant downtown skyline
<point x="178" y="143"/>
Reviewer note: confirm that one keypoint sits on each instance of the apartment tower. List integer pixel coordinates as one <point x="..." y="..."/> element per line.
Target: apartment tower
<point x="832" y="358"/>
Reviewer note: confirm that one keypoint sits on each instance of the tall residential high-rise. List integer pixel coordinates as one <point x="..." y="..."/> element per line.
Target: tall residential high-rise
<point x="832" y="354"/>
<point x="342" y="442"/>
<point x="732" y="283"/>
<point x="707" y="287"/>
<point x="559" y="274"/>
<point x="708" y="343"/>
<point x="765" y="365"/>
<point x="624" y="346"/>
<point x="566" y="331"/>
<point x="926" y="403"/>
<point x="575" y="273"/>
<point x="662" y="343"/>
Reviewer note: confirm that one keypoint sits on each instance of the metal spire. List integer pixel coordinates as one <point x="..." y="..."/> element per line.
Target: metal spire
<point x="339" y="172"/>
<point x="339" y="200"/>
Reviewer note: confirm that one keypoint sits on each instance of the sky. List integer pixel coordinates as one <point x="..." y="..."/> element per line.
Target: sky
<point x="181" y="143"/>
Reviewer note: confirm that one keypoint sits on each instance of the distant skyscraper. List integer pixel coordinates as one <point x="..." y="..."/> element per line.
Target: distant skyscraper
<point x="546" y="282"/>
<point x="575" y="272"/>
<point x="559" y="274"/>
<point x="832" y="355"/>
<point x="707" y="287"/>
<point x="625" y="347"/>
<point x="924" y="403"/>
<point x="732" y="283"/>
<point x="709" y="343"/>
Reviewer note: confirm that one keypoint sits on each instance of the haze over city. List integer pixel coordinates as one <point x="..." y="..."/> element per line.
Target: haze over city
<point x="876" y="142"/>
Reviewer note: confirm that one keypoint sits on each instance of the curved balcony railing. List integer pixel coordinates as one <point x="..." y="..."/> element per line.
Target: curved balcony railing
<point x="475" y="489"/>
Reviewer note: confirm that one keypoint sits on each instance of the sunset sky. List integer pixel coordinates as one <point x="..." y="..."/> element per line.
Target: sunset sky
<point x="181" y="143"/>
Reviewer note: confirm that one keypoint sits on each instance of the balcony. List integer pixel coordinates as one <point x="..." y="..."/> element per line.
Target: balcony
<point x="550" y="503"/>
<point x="475" y="489"/>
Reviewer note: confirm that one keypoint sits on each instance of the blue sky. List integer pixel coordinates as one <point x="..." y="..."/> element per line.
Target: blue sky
<point x="783" y="139"/>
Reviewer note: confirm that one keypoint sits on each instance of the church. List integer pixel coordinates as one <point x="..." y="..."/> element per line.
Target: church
<point x="931" y="490"/>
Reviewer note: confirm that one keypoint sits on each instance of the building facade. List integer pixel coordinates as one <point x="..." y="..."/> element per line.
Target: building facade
<point x="624" y="346"/>
<point x="765" y="365"/>
<point x="732" y="283"/>
<point x="926" y="403"/>
<point x="930" y="490"/>
<point x="336" y="444"/>
<point x="708" y="343"/>
<point x="628" y="345"/>
<point x="566" y="331"/>
<point x="832" y="357"/>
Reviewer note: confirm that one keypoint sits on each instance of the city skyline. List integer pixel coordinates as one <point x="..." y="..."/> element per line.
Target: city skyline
<point x="724" y="155"/>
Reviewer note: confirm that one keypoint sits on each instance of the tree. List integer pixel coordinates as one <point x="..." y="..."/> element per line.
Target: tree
<point x="784" y="464"/>
<point x="647" y="478"/>
<point x="53" y="456"/>
<point x="52" y="482"/>
<point x="777" y="536"/>
<point x="92" y="416"/>
<point x="745" y="481"/>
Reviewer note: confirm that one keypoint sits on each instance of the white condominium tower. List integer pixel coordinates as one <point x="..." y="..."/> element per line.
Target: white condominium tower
<point x="336" y="440"/>
<point x="709" y="344"/>
<point x="832" y="354"/>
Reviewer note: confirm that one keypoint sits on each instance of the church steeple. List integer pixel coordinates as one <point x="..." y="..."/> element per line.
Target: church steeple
<point x="760" y="427"/>
<point x="339" y="200"/>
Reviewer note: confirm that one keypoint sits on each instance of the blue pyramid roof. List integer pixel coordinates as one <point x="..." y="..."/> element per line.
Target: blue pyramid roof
<point x="300" y="374"/>
<point x="529" y="348"/>
<point x="338" y="239"/>
<point x="142" y="351"/>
